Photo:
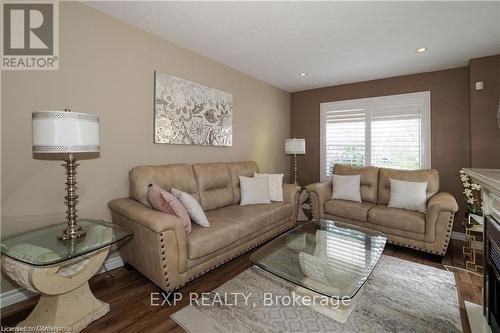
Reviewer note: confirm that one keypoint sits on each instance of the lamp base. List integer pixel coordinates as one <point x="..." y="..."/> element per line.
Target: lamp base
<point x="72" y="233"/>
<point x="72" y="229"/>
<point x="295" y="170"/>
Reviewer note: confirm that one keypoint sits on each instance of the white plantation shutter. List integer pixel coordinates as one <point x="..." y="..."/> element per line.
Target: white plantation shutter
<point x="389" y="131"/>
<point x="396" y="137"/>
<point x="345" y="138"/>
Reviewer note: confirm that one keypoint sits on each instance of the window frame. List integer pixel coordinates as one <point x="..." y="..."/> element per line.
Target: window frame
<point x="422" y="99"/>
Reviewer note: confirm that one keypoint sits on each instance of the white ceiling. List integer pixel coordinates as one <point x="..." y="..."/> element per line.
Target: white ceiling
<point x="334" y="42"/>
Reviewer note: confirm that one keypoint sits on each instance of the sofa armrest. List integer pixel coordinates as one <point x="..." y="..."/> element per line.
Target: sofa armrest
<point x="441" y="209"/>
<point x="319" y="194"/>
<point x="158" y="248"/>
<point x="442" y="201"/>
<point x="149" y="218"/>
<point x="290" y="193"/>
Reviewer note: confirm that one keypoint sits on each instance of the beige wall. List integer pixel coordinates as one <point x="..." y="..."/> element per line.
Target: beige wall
<point x="106" y="68"/>
<point x="449" y="120"/>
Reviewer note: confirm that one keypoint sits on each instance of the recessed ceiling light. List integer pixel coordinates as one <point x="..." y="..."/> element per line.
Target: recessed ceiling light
<point x="421" y="49"/>
<point x="303" y="74"/>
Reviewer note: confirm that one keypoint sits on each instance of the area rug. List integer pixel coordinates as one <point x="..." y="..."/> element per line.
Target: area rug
<point x="399" y="296"/>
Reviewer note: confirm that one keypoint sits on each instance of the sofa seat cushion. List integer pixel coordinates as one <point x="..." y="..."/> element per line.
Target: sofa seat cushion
<point x="349" y="209"/>
<point x="231" y="223"/>
<point x="397" y="218"/>
<point x="391" y="233"/>
<point x="202" y="241"/>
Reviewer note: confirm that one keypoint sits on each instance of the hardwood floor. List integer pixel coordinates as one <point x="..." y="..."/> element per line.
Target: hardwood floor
<point x="129" y="293"/>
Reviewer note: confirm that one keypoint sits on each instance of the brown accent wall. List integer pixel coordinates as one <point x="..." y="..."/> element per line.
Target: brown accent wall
<point x="485" y="134"/>
<point x="449" y="119"/>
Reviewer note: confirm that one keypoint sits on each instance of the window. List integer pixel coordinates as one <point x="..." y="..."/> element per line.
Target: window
<point x="389" y="131"/>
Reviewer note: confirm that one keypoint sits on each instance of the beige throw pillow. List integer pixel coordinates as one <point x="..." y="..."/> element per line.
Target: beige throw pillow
<point x="346" y="187"/>
<point x="408" y="195"/>
<point x="192" y="206"/>
<point x="254" y="191"/>
<point x="275" y="185"/>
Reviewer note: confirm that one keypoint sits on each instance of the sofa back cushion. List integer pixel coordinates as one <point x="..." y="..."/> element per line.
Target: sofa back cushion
<point x="431" y="176"/>
<point x="180" y="176"/>
<point x="238" y="169"/>
<point x="214" y="185"/>
<point x="369" y="179"/>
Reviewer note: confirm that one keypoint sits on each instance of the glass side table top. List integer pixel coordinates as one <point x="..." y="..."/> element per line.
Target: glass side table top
<point x="42" y="247"/>
<point x="323" y="257"/>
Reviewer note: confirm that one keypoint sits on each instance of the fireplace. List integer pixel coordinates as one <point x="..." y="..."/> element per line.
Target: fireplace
<point x="489" y="179"/>
<point x="492" y="274"/>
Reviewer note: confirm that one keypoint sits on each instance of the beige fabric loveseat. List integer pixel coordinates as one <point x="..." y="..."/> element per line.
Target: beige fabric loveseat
<point x="428" y="232"/>
<point x="160" y="248"/>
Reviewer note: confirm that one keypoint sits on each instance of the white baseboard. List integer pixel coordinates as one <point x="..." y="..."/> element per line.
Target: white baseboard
<point x="17" y="295"/>
<point x="111" y="263"/>
<point x="461" y="236"/>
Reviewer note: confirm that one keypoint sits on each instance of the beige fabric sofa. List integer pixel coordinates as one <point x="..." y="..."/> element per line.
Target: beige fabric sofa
<point x="428" y="232"/>
<point x="160" y="248"/>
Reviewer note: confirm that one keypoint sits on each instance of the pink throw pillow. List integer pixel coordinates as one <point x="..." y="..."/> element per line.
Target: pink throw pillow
<point x="166" y="202"/>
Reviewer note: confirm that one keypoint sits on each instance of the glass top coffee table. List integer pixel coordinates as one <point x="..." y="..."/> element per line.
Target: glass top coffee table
<point x="323" y="257"/>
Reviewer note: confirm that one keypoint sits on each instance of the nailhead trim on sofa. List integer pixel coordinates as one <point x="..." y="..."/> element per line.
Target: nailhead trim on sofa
<point x="445" y="245"/>
<point x="164" y="261"/>
<point x="279" y="232"/>
<point x="170" y="287"/>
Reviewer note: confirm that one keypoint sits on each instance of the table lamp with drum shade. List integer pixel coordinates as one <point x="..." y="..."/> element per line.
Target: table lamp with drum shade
<point x="70" y="133"/>
<point x="295" y="147"/>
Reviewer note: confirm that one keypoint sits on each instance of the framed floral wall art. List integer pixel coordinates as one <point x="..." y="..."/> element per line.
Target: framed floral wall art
<point x="190" y="113"/>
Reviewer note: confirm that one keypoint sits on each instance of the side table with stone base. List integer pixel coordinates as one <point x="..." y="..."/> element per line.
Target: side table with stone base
<point x="60" y="271"/>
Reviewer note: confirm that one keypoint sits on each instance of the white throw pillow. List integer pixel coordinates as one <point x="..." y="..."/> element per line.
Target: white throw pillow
<point x="254" y="191"/>
<point x="192" y="206"/>
<point x="408" y="195"/>
<point x="346" y="187"/>
<point x="275" y="185"/>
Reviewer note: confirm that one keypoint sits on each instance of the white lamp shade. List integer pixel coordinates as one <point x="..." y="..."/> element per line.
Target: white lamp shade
<point x="65" y="132"/>
<point x="295" y="146"/>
